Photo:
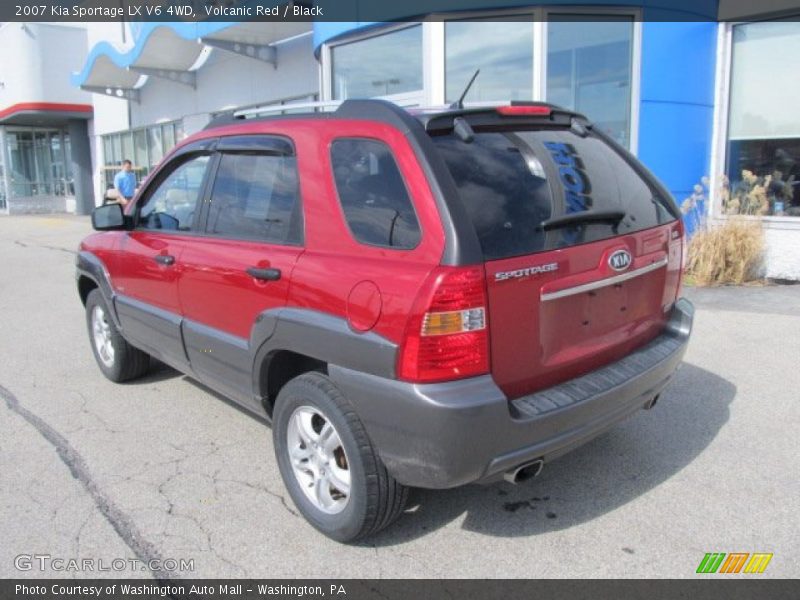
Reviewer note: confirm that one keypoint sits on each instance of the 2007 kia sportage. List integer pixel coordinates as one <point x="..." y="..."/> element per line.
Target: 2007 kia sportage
<point x="414" y="298"/>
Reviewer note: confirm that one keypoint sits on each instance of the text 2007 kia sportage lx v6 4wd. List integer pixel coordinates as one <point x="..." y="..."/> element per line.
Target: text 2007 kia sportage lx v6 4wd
<point x="419" y="298"/>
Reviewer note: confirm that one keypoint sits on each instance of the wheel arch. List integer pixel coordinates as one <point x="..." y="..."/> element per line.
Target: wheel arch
<point x="91" y="273"/>
<point x="85" y="286"/>
<point x="292" y="341"/>
<point x="278" y="368"/>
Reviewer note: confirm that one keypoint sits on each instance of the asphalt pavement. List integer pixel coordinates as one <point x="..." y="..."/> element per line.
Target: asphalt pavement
<point x="163" y="469"/>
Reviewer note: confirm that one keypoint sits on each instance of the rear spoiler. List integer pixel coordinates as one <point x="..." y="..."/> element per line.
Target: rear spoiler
<point x="514" y="113"/>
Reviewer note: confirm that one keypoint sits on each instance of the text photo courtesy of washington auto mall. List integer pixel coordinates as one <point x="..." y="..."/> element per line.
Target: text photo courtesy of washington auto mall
<point x="381" y="300"/>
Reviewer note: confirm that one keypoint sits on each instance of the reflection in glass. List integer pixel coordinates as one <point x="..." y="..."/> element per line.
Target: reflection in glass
<point x="764" y="125"/>
<point x="172" y="205"/>
<point x="372" y="194"/>
<point x="386" y="64"/>
<point x="502" y="181"/>
<point x="38" y="164"/>
<point x="127" y="146"/>
<point x="140" y="149"/>
<point x="255" y="196"/>
<point x="589" y="69"/>
<point x="155" y="143"/>
<point x="503" y="51"/>
<point x="168" y="136"/>
<point x="179" y="134"/>
<point x="116" y="147"/>
<point x="41" y="149"/>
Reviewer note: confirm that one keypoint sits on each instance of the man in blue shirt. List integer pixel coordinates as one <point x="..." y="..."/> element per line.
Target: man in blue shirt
<point x="125" y="183"/>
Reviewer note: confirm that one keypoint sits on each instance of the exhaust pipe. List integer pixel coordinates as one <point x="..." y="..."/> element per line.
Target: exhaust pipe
<point x="524" y="472"/>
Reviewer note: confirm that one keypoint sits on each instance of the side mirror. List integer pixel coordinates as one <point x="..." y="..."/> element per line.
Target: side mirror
<point x="108" y="217"/>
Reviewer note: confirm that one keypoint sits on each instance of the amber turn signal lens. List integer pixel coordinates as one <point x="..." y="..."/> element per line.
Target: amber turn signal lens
<point x="457" y="321"/>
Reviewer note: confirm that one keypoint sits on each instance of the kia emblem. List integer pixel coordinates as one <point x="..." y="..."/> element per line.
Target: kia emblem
<point x="620" y="260"/>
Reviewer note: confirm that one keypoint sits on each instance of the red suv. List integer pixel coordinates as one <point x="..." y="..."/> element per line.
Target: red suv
<point x="413" y="298"/>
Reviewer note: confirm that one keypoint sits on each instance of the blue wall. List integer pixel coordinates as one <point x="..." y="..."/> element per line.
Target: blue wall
<point x="677" y="102"/>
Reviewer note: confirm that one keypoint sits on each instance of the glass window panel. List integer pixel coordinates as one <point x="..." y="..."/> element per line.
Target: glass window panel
<point x="57" y="162"/>
<point x="372" y="194"/>
<point x="108" y="153"/>
<point x="3" y="200"/>
<point x="764" y="123"/>
<point x="44" y="176"/>
<point x="154" y="144"/>
<point x="168" y="137"/>
<point x="179" y="133"/>
<point x="256" y="196"/>
<point x="502" y="50"/>
<point x="765" y="54"/>
<point x="502" y="181"/>
<point x="22" y="164"/>
<point x="140" y="149"/>
<point x="386" y="64"/>
<point x="589" y="67"/>
<point x="173" y="203"/>
<point x="116" y="146"/>
<point x="68" y="168"/>
<point x="127" y="146"/>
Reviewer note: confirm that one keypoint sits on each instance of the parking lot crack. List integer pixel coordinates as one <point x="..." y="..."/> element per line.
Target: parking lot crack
<point x="119" y="521"/>
<point x="260" y="488"/>
<point x="44" y="246"/>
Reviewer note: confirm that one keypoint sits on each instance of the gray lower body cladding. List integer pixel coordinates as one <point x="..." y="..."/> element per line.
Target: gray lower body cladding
<point x="448" y="434"/>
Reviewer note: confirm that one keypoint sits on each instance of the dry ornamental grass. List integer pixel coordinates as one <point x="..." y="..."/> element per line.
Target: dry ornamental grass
<point x="731" y="253"/>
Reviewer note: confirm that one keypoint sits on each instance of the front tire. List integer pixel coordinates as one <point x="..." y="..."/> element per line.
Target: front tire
<point x="117" y="359"/>
<point x="328" y="464"/>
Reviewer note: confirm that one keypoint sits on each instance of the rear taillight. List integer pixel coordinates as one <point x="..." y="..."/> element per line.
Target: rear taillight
<point x="446" y="336"/>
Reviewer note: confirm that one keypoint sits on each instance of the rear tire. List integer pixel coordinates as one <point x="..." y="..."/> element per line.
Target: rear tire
<point x="344" y="491"/>
<point x="117" y="359"/>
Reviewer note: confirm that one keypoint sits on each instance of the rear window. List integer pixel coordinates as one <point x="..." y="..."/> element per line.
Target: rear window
<point x="512" y="181"/>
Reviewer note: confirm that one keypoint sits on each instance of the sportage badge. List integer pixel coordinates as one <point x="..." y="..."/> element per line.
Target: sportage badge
<point x="620" y="260"/>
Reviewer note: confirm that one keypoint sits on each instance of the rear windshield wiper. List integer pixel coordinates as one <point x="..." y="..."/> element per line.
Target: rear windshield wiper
<point x="584" y="216"/>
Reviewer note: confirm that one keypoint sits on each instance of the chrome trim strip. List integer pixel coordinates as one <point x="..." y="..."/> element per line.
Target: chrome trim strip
<point x="586" y="287"/>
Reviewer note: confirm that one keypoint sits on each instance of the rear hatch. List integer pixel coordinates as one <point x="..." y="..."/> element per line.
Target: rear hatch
<point x="582" y="247"/>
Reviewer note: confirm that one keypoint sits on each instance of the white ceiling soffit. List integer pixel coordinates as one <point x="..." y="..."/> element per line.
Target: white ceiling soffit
<point x="165" y="49"/>
<point x="261" y="33"/>
<point x="106" y="74"/>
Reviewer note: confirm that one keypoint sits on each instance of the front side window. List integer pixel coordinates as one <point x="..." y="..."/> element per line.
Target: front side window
<point x="172" y="205"/>
<point x="503" y="51"/>
<point x="255" y="196"/>
<point x="372" y="194"/>
<point x="589" y="66"/>
<point x="763" y="147"/>
<point x="379" y="66"/>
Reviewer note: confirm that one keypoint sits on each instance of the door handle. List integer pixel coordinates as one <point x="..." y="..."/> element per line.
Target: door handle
<point x="264" y="274"/>
<point x="164" y="259"/>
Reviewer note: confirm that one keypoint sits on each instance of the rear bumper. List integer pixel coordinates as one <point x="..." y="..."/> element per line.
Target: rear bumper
<point x="448" y="434"/>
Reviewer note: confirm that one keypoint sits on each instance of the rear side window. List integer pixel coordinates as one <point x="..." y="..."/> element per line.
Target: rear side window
<point x="255" y="196"/>
<point x="374" y="199"/>
<point x="511" y="182"/>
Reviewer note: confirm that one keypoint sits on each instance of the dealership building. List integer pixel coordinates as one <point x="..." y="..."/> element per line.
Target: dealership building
<point x="709" y="107"/>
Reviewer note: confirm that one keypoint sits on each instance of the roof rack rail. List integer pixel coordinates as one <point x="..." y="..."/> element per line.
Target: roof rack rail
<point x="276" y="108"/>
<point x="232" y="117"/>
